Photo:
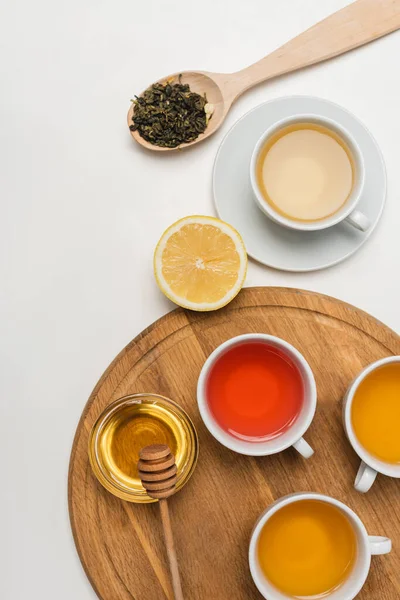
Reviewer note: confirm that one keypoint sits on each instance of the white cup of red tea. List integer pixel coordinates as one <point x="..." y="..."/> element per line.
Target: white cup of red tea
<point x="308" y="545"/>
<point x="257" y="395"/>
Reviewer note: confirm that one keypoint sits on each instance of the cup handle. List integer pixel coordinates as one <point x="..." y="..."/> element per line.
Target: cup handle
<point x="358" y="220"/>
<point x="365" y="478"/>
<point x="303" y="448"/>
<point x="379" y="545"/>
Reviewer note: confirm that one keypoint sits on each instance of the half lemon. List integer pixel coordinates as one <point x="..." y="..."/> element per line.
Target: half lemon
<point x="200" y="263"/>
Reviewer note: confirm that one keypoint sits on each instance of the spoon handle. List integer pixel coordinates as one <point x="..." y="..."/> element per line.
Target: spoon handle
<point x="359" y="23"/>
<point x="169" y="543"/>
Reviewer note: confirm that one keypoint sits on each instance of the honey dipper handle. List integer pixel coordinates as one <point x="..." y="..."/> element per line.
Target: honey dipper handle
<point x="359" y="23"/>
<point x="169" y="543"/>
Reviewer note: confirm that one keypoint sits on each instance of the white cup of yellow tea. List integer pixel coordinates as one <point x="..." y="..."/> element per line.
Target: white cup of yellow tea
<point x="307" y="173"/>
<point x="371" y="417"/>
<point x="311" y="546"/>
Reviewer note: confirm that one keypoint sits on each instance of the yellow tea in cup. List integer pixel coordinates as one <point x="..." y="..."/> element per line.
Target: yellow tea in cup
<point x="305" y="172"/>
<point x="307" y="549"/>
<point x="375" y="413"/>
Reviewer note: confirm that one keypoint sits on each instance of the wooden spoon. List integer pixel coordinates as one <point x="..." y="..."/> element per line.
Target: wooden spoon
<point x="359" y="23"/>
<point x="157" y="470"/>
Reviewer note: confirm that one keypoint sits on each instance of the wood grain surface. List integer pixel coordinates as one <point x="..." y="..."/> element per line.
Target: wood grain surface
<point x="121" y="544"/>
<point x="356" y="24"/>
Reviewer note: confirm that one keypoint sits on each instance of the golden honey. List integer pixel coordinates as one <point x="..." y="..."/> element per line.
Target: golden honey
<point x="128" y="425"/>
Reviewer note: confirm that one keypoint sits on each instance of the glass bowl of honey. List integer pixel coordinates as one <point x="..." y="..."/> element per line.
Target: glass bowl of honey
<point x="131" y="423"/>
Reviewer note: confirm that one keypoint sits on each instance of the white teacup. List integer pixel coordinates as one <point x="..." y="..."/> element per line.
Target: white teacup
<point x="348" y="212"/>
<point x="367" y="545"/>
<point x="291" y="437"/>
<point x="370" y="465"/>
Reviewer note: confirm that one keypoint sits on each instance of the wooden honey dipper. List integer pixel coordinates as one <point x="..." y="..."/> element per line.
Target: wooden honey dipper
<point x="157" y="470"/>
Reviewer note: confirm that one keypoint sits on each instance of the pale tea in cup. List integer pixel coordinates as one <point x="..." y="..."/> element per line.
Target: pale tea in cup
<point x="306" y="172"/>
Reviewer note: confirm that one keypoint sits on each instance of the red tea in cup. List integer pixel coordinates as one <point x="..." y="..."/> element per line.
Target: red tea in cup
<point x="255" y="391"/>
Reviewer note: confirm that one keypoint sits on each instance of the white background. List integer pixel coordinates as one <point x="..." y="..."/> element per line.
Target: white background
<point x="82" y="209"/>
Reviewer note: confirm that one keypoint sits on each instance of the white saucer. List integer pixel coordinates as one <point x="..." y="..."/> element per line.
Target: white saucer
<point x="267" y="242"/>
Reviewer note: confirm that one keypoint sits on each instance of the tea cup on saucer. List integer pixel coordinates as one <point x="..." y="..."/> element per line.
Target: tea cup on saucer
<point x="348" y="211"/>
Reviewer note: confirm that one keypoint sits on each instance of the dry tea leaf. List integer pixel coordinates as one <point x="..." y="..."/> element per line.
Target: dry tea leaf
<point x="168" y="115"/>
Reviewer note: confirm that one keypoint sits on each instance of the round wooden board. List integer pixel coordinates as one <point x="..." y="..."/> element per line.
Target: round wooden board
<point x="121" y="545"/>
